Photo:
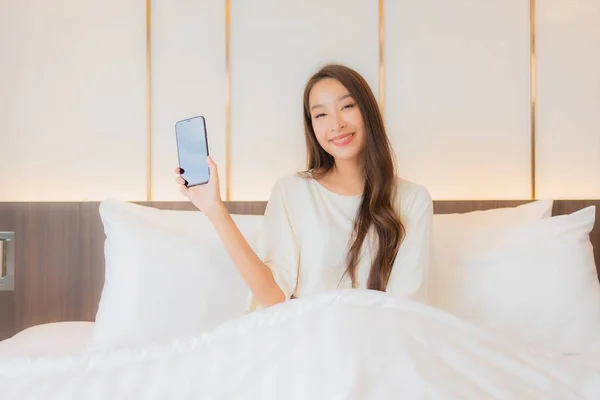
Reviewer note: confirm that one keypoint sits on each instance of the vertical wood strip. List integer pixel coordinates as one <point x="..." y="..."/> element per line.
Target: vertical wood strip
<point x="227" y="101"/>
<point x="149" y="159"/>
<point x="381" y="60"/>
<point x="533" y="92"/>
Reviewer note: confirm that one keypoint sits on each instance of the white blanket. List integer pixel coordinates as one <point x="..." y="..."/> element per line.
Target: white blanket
<point x="344" y="345"/>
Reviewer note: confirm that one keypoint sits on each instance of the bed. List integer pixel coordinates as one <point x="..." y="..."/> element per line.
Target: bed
<point x="110" y="301"/>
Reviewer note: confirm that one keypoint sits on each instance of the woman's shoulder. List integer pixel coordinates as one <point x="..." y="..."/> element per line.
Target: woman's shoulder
<point x="412" y="195"/>
<point x="291" y="183"/>
<point x="292" y="180"/>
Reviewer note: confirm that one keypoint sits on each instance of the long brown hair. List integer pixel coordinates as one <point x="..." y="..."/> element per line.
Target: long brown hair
<point x="376" y="209"/>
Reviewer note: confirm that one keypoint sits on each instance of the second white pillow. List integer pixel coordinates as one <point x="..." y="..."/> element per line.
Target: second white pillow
<point x="535" y="282"/>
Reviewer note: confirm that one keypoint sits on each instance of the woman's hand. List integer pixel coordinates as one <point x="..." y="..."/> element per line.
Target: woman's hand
<point x="207" y="197"/>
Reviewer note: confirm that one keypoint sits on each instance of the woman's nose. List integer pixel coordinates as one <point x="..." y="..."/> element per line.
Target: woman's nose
<point x="337" y="122"/>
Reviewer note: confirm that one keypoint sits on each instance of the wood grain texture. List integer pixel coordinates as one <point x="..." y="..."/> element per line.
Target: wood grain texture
<point x="234" y="207"/>
<point x="59" y="254"/>
<point x="451" y="206"/>
<point x="59" y="258"/>
<point x="7" y="314"/>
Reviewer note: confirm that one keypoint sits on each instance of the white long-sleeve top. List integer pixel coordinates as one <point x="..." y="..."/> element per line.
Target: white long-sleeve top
<point x="307" y="231"/>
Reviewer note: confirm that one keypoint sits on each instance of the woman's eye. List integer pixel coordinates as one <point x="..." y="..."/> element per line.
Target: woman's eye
<point x="348" y="106"/>
<point x="319" y="115"/>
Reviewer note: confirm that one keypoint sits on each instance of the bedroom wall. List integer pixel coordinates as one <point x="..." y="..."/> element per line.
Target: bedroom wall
<point x="79" y="120"/>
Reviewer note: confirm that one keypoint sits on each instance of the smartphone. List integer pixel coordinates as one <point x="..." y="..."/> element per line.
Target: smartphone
<point x="192" y="150"/>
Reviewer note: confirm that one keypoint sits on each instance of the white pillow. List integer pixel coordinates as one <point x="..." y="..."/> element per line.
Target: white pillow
<point x="536" y="282"/>
<point x="56" y="338"/>
<point x="452" y="234"/>
<point x="167" y="275"/>
<point x="503" y="216"/>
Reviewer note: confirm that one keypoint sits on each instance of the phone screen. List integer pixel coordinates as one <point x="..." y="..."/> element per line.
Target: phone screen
<point x="192" y="147"/>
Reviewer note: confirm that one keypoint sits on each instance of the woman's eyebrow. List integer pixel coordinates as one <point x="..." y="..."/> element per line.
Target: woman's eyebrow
<point x="339" y="99"/>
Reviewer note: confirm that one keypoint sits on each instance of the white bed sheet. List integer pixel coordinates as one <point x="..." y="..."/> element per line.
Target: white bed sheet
<point x="58" y="338"/>
<point x="345" y="345"/>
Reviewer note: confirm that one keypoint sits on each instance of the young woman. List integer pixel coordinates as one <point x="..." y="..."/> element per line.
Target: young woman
<point x="347" y="221"/>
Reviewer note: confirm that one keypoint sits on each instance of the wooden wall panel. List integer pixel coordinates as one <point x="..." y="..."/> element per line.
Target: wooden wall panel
<point x="59" y="262"/>
<point x="7" y="314"/>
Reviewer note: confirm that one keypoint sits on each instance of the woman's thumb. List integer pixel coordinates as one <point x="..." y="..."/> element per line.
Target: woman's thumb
<point x="212" y="166"/>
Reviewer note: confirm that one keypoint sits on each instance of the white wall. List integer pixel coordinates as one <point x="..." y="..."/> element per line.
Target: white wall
<point x="188" y="79"/>
<point x="72" y="122"/>
<point x="273" y="53"/>
<point x="457" y="95"/>
<point x="456" y="92"/>
<point x="568" y="100"/>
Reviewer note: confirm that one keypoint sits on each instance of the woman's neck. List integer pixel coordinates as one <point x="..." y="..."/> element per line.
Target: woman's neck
<point x="347" y="176"/>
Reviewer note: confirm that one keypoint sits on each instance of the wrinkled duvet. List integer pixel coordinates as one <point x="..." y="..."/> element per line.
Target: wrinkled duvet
<point x="342" y="345"/>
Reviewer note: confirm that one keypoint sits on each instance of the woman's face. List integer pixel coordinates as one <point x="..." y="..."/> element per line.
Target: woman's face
<point x="336" y="120"/>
